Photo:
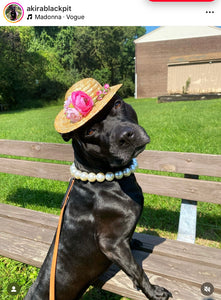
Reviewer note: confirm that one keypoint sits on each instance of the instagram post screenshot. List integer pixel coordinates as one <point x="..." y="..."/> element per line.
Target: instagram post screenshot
<point x="110" y="150"/>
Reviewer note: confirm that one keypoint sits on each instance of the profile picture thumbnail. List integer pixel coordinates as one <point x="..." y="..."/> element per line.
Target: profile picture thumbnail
<point x="13" y="12"/>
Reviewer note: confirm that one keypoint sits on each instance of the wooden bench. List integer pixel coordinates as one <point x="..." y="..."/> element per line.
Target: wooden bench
<point x="179" y="266"/>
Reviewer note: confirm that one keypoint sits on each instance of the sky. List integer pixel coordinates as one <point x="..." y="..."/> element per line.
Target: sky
<point x="150" y="28"/>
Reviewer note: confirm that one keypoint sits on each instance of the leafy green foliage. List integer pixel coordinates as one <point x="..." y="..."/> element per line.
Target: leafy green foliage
<point x="42" y="63"/>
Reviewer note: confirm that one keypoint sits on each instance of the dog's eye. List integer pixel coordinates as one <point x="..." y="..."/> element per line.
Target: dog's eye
<point x="90" y="131"/>
<point x="117" y="104"/>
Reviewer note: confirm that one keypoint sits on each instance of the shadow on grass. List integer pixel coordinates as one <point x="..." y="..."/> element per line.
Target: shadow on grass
<point x="160" y="218"/>
<point x="36" y="199"/>
<point x="208" y="226"/>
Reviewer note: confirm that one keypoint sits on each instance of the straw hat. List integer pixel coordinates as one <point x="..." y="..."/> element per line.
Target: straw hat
<point x="82" y="102"/>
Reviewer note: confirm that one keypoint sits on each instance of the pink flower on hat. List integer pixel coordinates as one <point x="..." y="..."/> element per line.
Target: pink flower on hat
<point x="82" y="102"/>
<point x="78" y="105"/>
<point x="68" y="103"/>
<point x="101" y="93"/>
<point x="71" y="113"/>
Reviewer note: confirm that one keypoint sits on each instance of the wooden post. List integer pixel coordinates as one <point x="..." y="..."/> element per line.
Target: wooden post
<point x="188" y="216"/>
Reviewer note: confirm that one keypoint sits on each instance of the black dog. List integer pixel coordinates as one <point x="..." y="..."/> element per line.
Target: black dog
<point x="13" y="12"/>
<point x="100" y="218"/>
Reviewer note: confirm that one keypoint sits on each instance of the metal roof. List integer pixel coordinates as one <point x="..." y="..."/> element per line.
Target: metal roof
<point x="165" y="33"/>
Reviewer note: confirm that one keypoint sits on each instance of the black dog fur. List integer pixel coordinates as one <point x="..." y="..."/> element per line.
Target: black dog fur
<point x="100" y="218"/>
<point x="13" y="12"/>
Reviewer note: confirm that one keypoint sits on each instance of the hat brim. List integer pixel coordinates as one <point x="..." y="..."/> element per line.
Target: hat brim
<point x="64" y="125"/>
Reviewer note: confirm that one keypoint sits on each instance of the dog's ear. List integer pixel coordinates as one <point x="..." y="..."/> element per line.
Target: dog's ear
<point x="66" y="136"/>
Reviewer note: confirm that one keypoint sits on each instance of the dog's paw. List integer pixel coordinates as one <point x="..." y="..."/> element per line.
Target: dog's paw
<point x="160" y="293"/>
<point x="136" y="287"/>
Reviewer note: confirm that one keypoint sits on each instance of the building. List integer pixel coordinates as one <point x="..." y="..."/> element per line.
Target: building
<point x="178" y="59"/>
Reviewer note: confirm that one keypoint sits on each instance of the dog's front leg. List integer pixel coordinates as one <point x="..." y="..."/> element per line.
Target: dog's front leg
<point x="120" y="254"/>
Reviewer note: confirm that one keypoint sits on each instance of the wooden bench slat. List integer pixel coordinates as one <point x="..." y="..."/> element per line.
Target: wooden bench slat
<point x="121" y="285"/>
<point x="29" y="216"/>
<point x="28" y="231"/>
<point x="35" y="169"/>
<point x="25" y="222"/>
<point x="33" y="219"/>
<point x="180" y="250"/>
<point x="170" y="267"/>
<point x="179" y="162"/>
<point x="188" y="272"/>
<point x="198" y="190"/>
<point x="63" y="152"/>
<point x="22" y="249"/>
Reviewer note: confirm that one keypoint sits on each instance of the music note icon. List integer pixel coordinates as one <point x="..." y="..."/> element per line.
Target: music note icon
<point x="29" y="17"/>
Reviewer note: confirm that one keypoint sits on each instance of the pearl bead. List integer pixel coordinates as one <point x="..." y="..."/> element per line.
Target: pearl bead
<point x="100" y="177"/>
<point x="77" y="174"/>
<point x="132" y="168"/>
<point x="135" y="162"/>
<point x="91" y="177"/>
<point x="126" y="172"/>
<point x="118" y="174"/>
<point x="84" y="176"/>
<point x="109" y="176"/>
<point x="72" y="169"/>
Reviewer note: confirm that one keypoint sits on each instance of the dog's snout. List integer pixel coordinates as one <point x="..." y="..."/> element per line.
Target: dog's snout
<point x="126" y="136"/>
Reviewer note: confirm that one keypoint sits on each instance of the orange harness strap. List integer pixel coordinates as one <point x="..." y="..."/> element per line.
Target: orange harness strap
<point x="55" y="253"/>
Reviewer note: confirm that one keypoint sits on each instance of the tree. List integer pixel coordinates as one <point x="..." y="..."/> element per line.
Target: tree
<point x="10" y="61"/>
<point x="43" y="62"/>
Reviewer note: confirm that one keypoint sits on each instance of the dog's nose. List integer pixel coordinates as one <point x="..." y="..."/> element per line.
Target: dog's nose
<point x="126" y="136"/>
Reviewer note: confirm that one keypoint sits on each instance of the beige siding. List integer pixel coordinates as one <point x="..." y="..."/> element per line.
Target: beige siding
<point x="203" y="78"/>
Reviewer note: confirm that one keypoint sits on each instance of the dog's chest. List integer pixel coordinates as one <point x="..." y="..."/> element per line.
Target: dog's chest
<point x="86" y="198"/>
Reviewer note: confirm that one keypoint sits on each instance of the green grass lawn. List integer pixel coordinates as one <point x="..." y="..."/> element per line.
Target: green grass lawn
<point x="193" y="126"/>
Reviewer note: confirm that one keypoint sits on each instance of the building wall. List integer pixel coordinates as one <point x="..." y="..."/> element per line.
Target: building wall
<point x="203" y="78"/>
<point x="152" y="59"/>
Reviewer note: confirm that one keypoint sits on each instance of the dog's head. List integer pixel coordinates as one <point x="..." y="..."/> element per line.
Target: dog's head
<point x="109" y="140"/>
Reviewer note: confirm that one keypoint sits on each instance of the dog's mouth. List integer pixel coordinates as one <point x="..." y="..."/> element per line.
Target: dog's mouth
<point x="138" y="150"/>
<point x="123" y="158"/>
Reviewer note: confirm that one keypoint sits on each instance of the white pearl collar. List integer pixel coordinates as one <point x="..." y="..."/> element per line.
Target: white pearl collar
<point x="100" y="177"/>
